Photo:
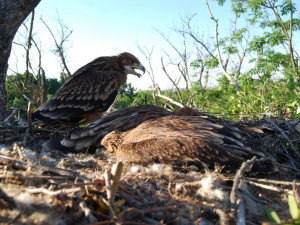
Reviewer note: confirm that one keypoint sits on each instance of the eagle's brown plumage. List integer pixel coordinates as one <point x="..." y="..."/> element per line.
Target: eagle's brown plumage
<point x="90" y="91"/>
<point x="179" y="138"/>
<point x="145" y="134"/>
<point x="121" y="120"/>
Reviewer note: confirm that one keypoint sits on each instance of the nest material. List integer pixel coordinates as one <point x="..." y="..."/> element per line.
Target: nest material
<point x="54" y="187"/>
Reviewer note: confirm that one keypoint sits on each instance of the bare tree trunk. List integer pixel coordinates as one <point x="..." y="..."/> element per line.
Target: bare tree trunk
<point x="12" y="14"/>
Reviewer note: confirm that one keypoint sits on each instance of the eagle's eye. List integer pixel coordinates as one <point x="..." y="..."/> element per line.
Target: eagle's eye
<point x="131" y="61"/>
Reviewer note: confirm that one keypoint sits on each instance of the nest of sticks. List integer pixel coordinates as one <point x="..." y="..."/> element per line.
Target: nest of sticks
<point x="54" y="187"/>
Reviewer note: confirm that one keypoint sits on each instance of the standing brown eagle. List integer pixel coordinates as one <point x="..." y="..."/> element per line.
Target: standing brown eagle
<point x="146" y="134"/>
<point x="90" y="91"/>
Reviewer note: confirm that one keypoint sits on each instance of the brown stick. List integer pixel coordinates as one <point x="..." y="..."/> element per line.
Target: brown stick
<point x="238" y="177"/>
<point x="81" y="184"/>
<point x="18" y="149"/>
<point x="273" y="181"/>
<point x="18" y="177"/>
<point x="116" y="176"/>
<point x="53" y="193"/>
<point x="10" y="116"/>
<point x="271" y="188"/>
<point x="109" y="192"/>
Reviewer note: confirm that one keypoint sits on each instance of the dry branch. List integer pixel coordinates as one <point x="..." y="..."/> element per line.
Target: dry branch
<point x="173" y="82"/>
<point x="60" y="45"/>
<point x="170" y="100"/>
<point x="229" y="77"/>
<point x="53" y="193"/>
<point x="116" y="176"/>
<point x="20" y="177"/>
<point x="272" y="181"/>
<point x="295" y="151"/>
<point x="238" y="177"/>
<point x="271" y="188"/>
<point x="10" y="116"/>
<point x="109" y="192"/>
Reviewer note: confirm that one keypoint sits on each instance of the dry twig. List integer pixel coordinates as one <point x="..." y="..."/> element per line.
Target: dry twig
<point x="271" y="188"/>
<point x="53" y="193"/>
<point x="80" y="184"/>
<point x="272" y="181"/>
<point x="10" y="116"/>
<point x="19" y="177"/>
<point x="170" y="100"/>
<point x="109" y="192"/>
<point x="116" y="176"/>
<point x="295" y="151"/>
<point x="238" y="177"/>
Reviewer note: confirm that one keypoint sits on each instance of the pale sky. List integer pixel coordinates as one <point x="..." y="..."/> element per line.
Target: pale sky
<point x="102" y="27"/>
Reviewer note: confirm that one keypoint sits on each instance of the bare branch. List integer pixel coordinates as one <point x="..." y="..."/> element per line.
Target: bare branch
<point x="171" y="100"/>
<point x="28" y="46"/>
<point x="173" y="82"/>
<point x="24" y="95"/>
<point x="148" y="55"/>
<point x="184" y="71"/>
<point x="60" y="50"/>
<point x="218" y="50"/>
<point x="230" y="42"/>
<point x="187" y="23"/>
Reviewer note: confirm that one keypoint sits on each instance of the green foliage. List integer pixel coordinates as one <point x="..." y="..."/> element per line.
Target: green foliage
<point x="273" y="217"/>
<point x="53" y="85"/>
<point x="221" y="2"/>
<point x="14" y="86"/>
<point x="126" y="96"/>
<point x="14" y="97"/>
<point x="196" y="63"/>
<point x="293" y="206"/>
<point x="294" y="211"/>
<point x="212" y="63"/>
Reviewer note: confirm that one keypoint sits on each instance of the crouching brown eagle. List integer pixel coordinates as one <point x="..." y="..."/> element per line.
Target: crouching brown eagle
<point x="90" y="91"/>
<point x="146" y="134"/>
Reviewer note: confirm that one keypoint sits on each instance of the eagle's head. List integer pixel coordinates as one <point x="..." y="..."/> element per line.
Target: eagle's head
<point x="129" y="62"/>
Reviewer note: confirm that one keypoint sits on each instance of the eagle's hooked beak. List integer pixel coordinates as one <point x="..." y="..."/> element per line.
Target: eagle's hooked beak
<point x="131" y="69"/>
<point x="142" y="68"/>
